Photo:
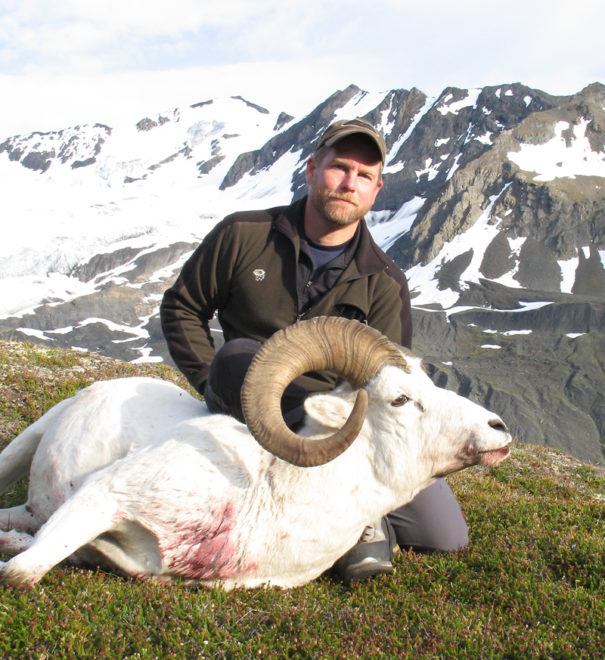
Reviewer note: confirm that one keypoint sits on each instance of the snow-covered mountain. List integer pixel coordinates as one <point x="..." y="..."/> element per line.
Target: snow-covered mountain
<point x="493" y="205"/>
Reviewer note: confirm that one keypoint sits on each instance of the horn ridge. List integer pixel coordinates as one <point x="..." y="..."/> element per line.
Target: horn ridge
<point x="352" y="350"/>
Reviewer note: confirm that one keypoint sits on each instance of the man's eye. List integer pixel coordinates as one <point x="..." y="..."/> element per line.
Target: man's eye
<point x="400" y="400"/>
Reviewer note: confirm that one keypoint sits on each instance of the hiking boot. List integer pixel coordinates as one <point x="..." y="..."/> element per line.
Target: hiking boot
<point x="371" y="555"/>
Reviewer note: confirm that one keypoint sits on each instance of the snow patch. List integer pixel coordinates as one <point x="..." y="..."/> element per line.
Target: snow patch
<point x="361" y="104"/>
<point x="454" y="167"/>
<point x="393" y="169"/>
<point x="429" y="169"/>
<point x="386" y="231"/>
<point x="485" y="139"/>
<point x="510" y="333"/>
<point x="556" y="159"/>
<point x="453" y="108"/>
<point x="569" y="266"/>
<point x="527" y="306"/>
<point x="423" y="279"/>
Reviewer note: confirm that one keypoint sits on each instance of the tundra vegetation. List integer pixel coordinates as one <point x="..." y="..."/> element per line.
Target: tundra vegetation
<point x="531" y="583"/>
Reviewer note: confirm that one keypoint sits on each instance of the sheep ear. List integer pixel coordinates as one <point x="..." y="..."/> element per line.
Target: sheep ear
<point x="329" y="410"/>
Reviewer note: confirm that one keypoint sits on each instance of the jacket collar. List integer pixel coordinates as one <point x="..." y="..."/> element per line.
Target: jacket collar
<point x="368" y="258"/>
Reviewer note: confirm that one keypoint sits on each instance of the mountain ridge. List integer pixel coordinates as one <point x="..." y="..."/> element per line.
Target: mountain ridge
<point x="493" y="206"/>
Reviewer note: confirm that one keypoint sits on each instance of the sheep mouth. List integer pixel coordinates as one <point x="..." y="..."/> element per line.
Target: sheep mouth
<point x="494" y="456"/>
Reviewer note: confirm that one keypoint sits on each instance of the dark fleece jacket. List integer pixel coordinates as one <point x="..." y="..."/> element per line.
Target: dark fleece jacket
<point x="250" y="268"/>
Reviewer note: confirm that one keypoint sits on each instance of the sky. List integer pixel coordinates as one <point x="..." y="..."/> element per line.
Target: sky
<point x="67" y="62"/>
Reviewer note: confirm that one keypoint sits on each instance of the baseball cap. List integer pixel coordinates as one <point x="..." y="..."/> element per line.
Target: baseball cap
<point x="344" y="127"/>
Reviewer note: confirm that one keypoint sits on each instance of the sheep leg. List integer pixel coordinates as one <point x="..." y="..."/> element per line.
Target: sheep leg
<point x="16" y="458"/>
<point x="19" y="518"/>
<point x="14" y="542"/>
<point x="68" y="529"/>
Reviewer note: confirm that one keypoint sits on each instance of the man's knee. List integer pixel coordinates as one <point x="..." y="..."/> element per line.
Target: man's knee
<point x="226" y="376"/>
<point x="433" y="520"/>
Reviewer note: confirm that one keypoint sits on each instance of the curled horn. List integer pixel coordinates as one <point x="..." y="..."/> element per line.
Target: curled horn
<point x="350" y="349"/>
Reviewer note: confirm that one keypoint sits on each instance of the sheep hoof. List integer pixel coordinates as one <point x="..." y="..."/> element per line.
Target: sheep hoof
<point x="9" y="577"/>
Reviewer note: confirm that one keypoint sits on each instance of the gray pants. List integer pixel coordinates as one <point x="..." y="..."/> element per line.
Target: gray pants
<point x="433" y="520"/>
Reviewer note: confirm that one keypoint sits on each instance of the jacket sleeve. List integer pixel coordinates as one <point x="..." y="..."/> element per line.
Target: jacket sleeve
<point x="188" y="305"/>
<point x="391" y="311"/>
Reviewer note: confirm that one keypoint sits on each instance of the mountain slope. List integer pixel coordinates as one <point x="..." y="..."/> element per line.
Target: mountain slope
<point x="493" y="205"/>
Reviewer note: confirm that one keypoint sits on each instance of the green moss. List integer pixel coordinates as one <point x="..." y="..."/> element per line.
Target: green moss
<point x="530" y="584"/>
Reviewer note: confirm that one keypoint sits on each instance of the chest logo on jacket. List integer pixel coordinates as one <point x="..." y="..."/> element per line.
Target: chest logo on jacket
<point x="259" y="274"/>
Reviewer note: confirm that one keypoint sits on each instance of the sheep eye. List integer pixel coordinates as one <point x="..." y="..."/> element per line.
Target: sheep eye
<point x="400" y="400"/>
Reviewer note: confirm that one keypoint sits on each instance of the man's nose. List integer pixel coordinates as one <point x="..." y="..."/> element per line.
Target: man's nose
<point x="349" y="181"/>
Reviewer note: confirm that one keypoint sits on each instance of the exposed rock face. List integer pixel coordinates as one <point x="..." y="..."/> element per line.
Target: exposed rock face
<point x="78" y="146"/>
<point x="561" y="214"/>
<point x="299" y="137"/>
<point x="541" y="369"/>
<point x="493" y="205"/>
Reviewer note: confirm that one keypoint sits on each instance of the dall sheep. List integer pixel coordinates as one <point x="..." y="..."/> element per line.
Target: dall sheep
<point x="135" y="475"/>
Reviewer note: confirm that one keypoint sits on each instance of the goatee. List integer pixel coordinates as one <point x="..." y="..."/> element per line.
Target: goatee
<point x="329" y="205"/>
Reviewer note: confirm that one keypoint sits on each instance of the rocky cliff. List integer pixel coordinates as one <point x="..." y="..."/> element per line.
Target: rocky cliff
<point x="493" y="205"/>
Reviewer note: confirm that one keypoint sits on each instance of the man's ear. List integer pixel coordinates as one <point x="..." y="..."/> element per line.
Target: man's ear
<point x="378" y="187"/>
<point x="310" y="171"/>
<point x="329" y="410"/>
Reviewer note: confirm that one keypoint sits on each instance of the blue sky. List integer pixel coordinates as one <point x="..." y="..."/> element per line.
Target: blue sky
<point x="72" y="61"/>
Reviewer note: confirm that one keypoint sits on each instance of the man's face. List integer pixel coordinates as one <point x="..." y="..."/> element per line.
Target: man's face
<point x="344" y="184"/>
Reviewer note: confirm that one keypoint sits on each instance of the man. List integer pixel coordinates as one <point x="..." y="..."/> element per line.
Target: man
<point x="264" y="270"/>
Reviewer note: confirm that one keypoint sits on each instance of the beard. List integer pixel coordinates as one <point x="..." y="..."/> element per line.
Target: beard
<point x="331" y="209"/>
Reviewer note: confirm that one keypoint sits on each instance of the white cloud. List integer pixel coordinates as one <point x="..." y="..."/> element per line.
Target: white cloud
<point x="154" y="17"/>
<point x="124" y="52"/>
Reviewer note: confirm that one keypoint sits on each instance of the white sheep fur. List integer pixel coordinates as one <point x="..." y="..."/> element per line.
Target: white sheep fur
<point x="136" y="475"/>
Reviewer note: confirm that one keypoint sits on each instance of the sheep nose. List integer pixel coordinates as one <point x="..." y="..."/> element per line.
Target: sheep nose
<point x="498" y="425"/>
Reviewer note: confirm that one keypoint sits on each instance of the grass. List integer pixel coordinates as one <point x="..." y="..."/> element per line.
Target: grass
<point x="531" y="584"/>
